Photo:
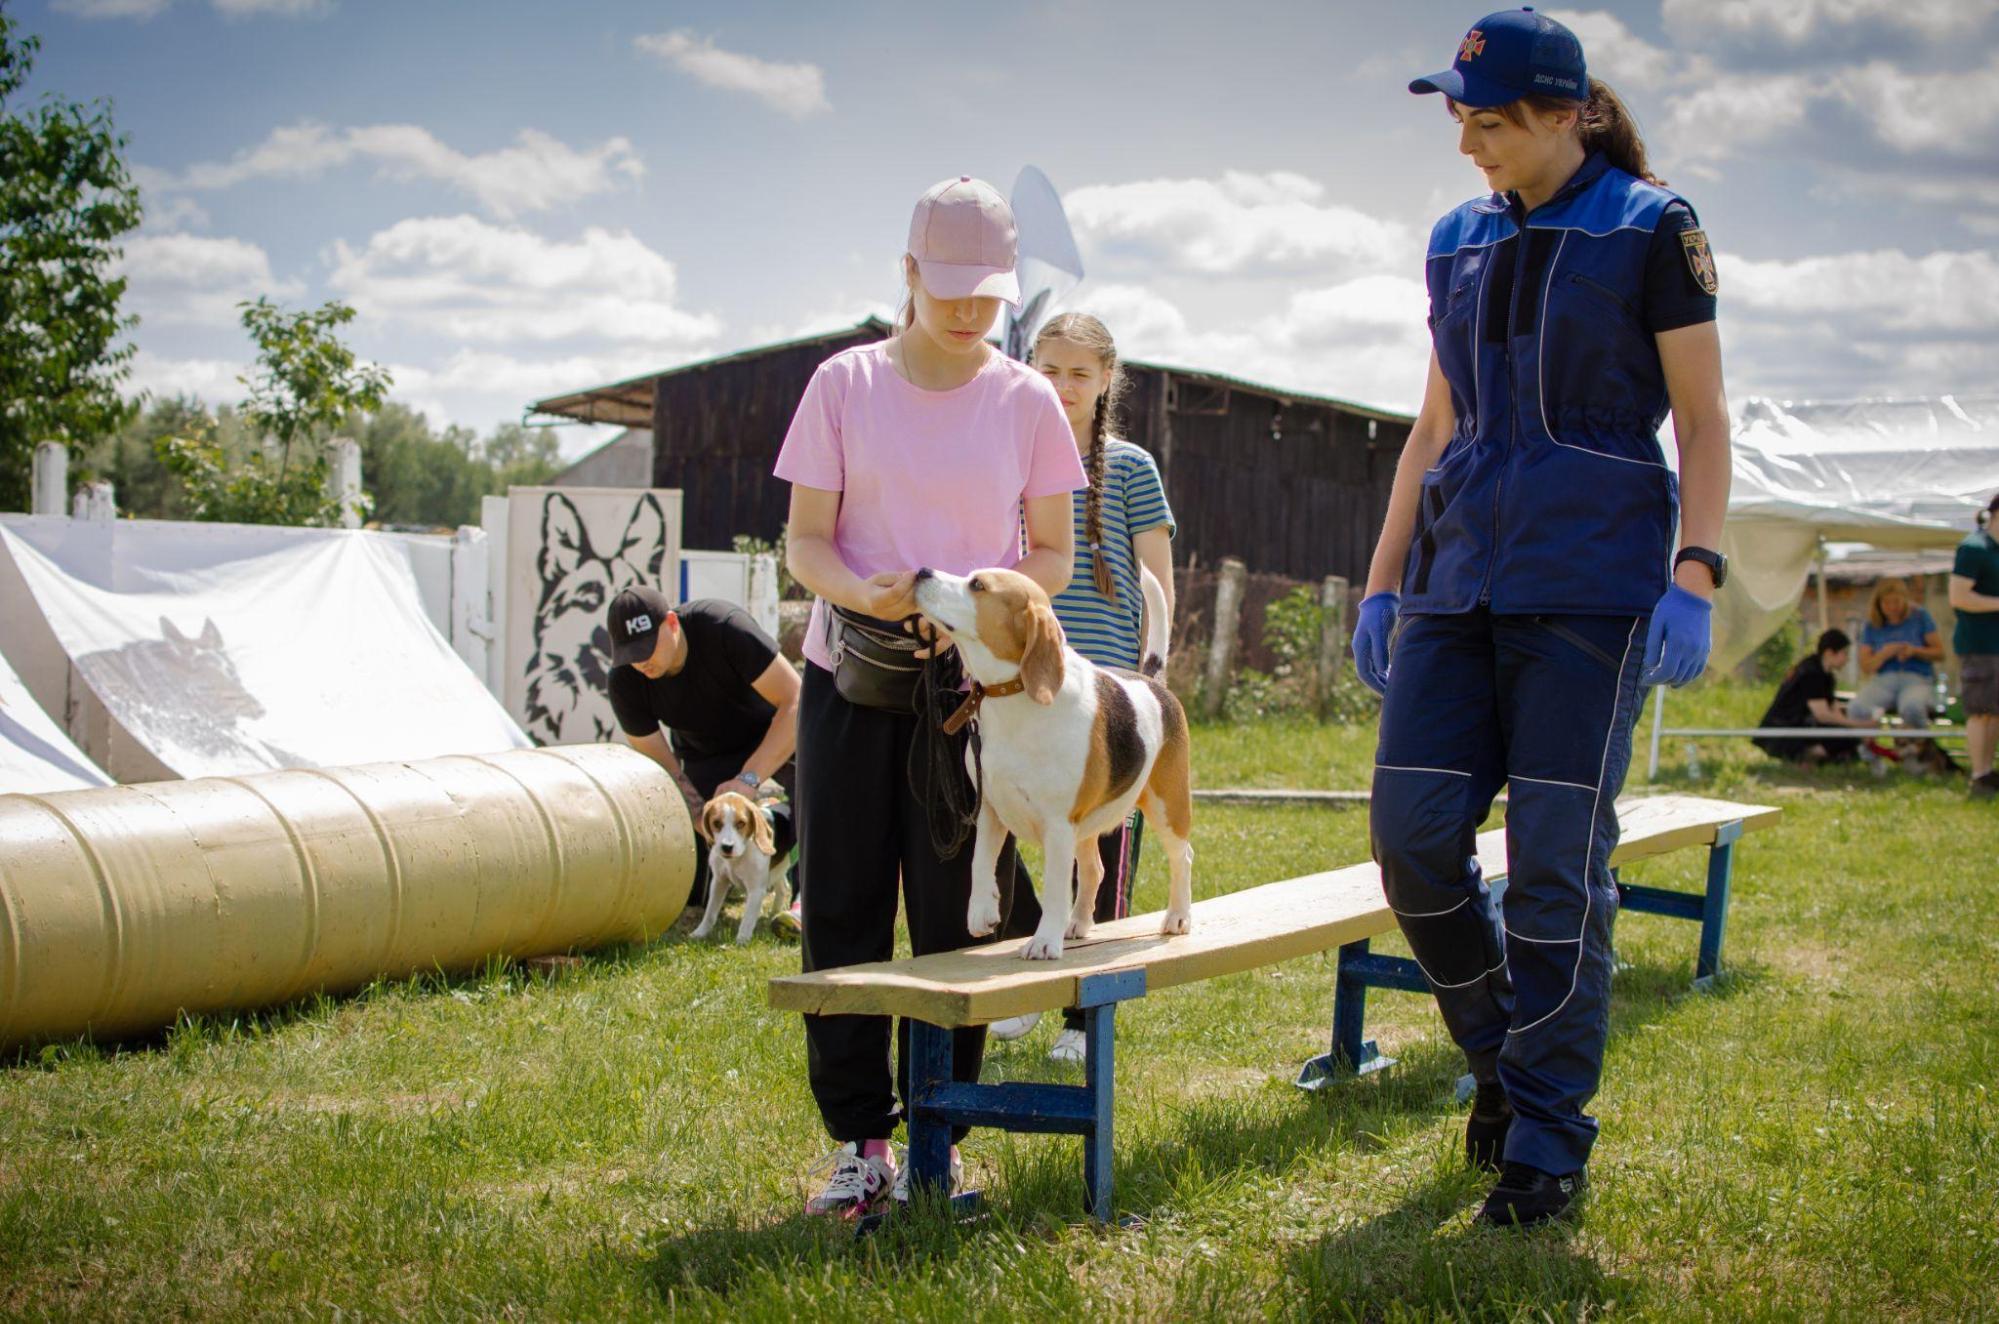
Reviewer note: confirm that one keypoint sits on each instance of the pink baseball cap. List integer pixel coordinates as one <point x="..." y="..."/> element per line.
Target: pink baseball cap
<point x="962" y="237"/>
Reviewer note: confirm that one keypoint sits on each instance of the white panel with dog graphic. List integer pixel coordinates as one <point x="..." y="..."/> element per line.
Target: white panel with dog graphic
<point x="570" y="550"/>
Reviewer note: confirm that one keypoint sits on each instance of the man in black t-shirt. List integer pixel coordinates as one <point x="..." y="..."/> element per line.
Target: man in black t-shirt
<point x="703" y="691"/>
<point x="1805" y="698"/>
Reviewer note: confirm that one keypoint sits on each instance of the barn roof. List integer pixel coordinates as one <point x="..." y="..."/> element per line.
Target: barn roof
<point x="629" y="402"/>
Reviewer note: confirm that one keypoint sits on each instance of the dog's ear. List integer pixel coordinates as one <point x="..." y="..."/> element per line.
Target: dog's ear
<point x="1041" y="664"/>
<point x="643" y="545"/>
<point x="760" y="832"/>
<point x="565" y="543"/>
<point x="705" y="824"/>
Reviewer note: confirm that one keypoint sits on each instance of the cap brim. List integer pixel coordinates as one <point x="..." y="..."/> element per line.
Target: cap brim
<point x="950" y="280"/>
<point x="1466" y="90"/>
<point x="635" y="649"/>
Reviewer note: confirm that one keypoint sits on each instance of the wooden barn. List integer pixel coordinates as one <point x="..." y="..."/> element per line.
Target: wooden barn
<point x="1293" y="484"/>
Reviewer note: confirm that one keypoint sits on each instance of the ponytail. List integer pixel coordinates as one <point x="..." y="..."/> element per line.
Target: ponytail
<point x="1093" y="504"/>
<point x="1087" y="331"/>
<point x="1606" y="126"/>
<point x="1603" y="123"/>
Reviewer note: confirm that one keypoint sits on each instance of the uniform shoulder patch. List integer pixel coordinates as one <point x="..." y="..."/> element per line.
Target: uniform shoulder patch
<point x="1700" y="259"/>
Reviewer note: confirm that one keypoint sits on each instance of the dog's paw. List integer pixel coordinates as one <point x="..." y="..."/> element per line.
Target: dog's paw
<point x="1079" y="926"/>
<point x="982" y="917"/>
<point x="1040" y="948"/>
<point x="702" y="931"/>
<point x="1177" y="921"/>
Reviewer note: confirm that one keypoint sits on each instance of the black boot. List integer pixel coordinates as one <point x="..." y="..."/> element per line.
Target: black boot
<point x="1526" y="1196"/>
<point x="1485" y="1131"/>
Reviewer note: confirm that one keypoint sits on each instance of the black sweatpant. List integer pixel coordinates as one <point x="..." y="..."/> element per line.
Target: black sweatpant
<point x="860" y="826"/>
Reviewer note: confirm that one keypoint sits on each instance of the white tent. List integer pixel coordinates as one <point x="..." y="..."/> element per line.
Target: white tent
<point x="35" y="754"/>
<point x="1904" y="474"/>
<point x="218" y="649"/>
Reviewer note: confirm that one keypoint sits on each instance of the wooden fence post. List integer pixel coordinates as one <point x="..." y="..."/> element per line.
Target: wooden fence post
<point x="1332" y="638"/>
<point x="1222" y="645"/>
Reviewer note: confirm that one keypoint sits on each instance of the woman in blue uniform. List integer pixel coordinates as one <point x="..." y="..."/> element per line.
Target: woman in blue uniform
<point x="1527" y="577"/>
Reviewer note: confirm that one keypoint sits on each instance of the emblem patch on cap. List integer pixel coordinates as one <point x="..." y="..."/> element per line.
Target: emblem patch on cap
<point x="1700" y="259"/>
<point x="1474" y="45"/>
<point x="638" y="625"/>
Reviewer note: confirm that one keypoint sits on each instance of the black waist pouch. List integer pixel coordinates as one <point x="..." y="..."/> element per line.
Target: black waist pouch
<point x="874" y="661"/>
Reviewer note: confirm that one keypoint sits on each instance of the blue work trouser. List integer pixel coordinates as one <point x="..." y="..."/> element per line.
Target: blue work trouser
<point x="1543" y="706"/>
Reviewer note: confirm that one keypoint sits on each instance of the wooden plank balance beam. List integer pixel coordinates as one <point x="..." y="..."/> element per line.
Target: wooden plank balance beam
<point x="1257" y="926"/>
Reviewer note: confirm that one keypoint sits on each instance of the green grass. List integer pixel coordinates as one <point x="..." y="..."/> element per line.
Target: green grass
<point x="632" y="1135"/>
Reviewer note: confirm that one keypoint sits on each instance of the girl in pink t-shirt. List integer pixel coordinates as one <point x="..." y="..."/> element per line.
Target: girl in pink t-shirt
<point x="927" y="449"/>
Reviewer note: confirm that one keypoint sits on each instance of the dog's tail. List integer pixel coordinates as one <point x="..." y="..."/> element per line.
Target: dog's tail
<point x="1158" y="627"/>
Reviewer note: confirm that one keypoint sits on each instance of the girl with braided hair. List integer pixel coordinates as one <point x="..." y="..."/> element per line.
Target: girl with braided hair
<point x="1124" y="530"/>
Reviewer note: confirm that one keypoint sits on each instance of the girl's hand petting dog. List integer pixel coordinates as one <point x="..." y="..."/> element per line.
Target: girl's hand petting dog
<point x="893" y="599"/>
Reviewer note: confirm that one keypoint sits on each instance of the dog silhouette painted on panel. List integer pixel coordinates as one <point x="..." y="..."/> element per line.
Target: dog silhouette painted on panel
<point x="570" y="665"/>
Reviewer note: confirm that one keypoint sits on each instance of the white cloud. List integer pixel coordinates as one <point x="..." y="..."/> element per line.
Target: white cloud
<point x="1908" y="112"/>
<point x="191" y="280"/>
<point x="109" y="8"/>
<point x="172" y="212"/>
<point x="535" y="173"/>
<point x="1363" y="340"/>
<point x="798" y="90"/>
<point x="282" y="8"/>
<point x="1938" y="294"/>
<point x="1237" y="224"/>
<point x="469" y="280"/>
<point x="160" y="376"/>
<point x="1616" y="54"/>
<point x="1798" y="22"/>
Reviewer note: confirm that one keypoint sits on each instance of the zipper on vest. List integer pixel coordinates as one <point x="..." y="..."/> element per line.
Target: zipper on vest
<point x="1513" y="406"/>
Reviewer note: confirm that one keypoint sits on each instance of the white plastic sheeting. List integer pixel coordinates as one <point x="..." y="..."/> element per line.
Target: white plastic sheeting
<point x="1889" y="473"/>
<point x="35" y="754"/>
<point x="228" y="649"/>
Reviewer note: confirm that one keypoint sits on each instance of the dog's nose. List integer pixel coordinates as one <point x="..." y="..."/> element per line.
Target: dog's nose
<point x="925" y="573"/>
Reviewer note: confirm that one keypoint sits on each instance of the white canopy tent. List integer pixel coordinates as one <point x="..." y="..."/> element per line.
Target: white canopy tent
<point x="36" y="755"/>
<point x="1903" y="474"/>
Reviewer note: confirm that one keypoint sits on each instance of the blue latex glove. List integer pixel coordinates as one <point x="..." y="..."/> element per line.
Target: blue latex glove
<point x="1676" y="643"/>
<point x="1370" y="638"/>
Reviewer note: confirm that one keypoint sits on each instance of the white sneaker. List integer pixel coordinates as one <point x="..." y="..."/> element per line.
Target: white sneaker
<point x="1072" y="1045"/>
<point x="1013" y="1026"/>
<point x="954" y="1182"/>
<point x="790" y="922"/>
<point x="854" y="1186"/>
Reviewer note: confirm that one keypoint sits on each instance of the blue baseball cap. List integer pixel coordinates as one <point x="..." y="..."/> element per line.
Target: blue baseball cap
<point x="1512" y="54"/>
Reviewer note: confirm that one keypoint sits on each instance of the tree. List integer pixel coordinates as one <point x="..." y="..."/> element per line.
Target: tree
<point x="65" y="199"/>
<point x="307" y="382"/>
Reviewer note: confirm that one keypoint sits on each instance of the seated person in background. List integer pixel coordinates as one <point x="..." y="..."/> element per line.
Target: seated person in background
<point x="703" y="691"/>
<point x="1899" y="649"/>
<point x="1804" y="698"/>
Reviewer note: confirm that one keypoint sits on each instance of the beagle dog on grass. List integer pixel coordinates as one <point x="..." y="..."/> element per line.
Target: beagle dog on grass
<point x="740" y="847"/>
<point x="1068" y="747"/>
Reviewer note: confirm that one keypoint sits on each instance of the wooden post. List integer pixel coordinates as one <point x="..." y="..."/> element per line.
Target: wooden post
<point x="1332" y="638"/>
<point x="49" y="479"/>
<point x="1222" y="645"/>
<point x="343" y="480"/>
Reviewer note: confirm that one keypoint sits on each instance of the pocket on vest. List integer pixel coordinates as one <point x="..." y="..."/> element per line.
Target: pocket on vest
<point x="1586" y="530"/>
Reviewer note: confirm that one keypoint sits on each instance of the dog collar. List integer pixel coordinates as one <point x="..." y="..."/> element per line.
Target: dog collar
<point x="980" y="693"/>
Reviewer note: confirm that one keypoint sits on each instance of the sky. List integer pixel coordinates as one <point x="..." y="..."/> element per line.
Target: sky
<point x="521" y="199"/>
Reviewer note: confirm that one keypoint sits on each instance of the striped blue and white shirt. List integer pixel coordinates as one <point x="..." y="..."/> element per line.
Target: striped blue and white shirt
<point x="1106" y="630"/>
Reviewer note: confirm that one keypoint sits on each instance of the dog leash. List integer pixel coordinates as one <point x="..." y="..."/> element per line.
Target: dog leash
<point x="969" y="709"/>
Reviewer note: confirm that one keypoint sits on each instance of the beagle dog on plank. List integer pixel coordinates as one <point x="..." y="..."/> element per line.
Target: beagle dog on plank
<point x="740" y="847"/>
<point x="1068" y="747"/>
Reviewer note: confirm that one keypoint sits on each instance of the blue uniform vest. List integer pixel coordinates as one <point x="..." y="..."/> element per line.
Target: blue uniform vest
<point x="1553" y="495"/>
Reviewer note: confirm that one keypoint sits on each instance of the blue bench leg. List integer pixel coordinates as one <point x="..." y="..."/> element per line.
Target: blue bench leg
<point x="929" y="1139"/>
<point x="1352" y="1053"/>
<point x="1099" y="1077"/>
<point x="1714" y="906"/>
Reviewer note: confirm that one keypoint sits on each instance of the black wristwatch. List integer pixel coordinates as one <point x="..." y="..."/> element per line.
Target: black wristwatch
<point x="1716" y="563"/>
